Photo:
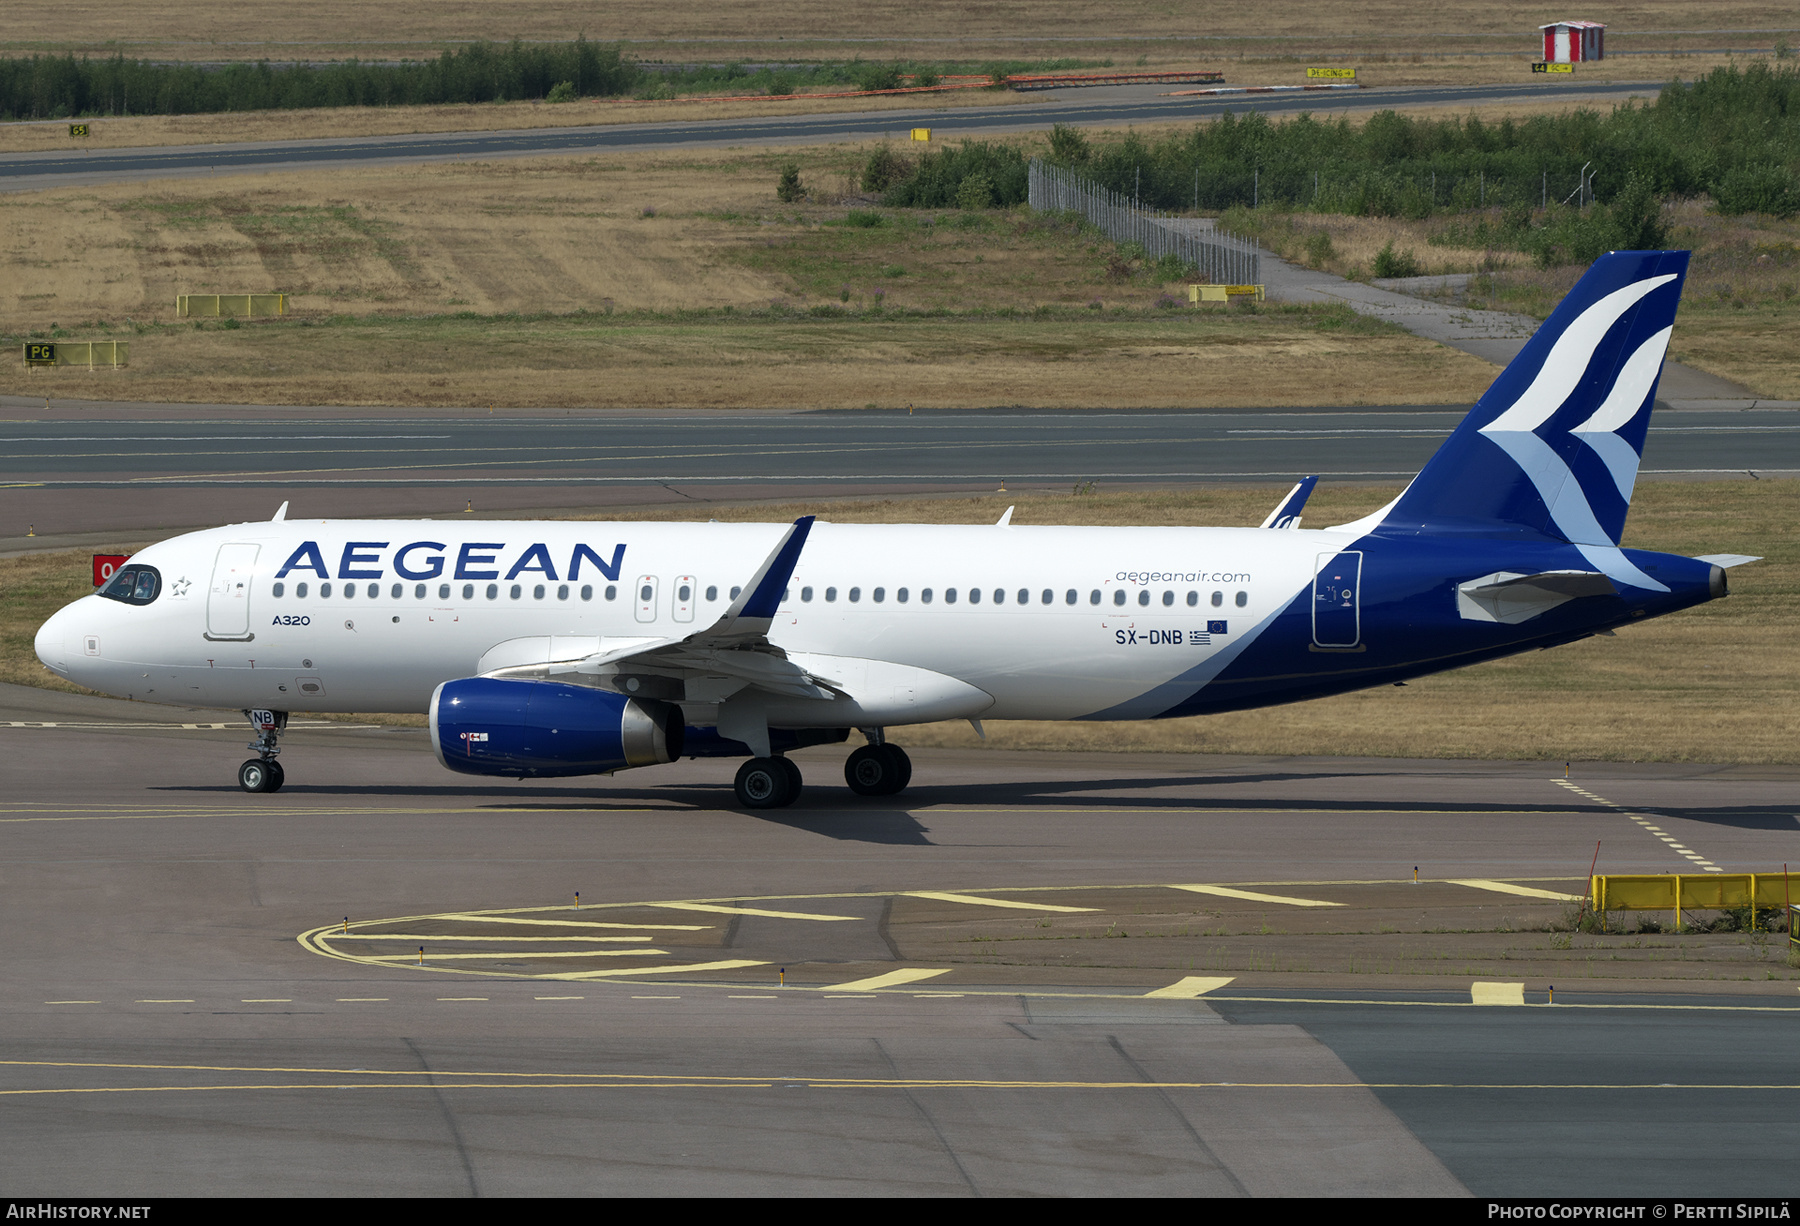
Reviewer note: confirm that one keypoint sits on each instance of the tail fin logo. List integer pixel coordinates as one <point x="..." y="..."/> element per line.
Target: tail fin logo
<point x="1514" y="431"/>
<point x="1552" y="449"/>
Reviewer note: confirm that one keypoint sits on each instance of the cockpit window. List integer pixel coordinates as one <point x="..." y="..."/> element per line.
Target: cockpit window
<point x="134" y="585"/>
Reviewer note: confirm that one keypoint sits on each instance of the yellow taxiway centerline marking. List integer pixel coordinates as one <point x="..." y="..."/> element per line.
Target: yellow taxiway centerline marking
<point x="945" y="896"/>
<point x="911" y="974"/>
<point x="724" y="910"/>
<point x="1189" y="988"/>
<point x="1253" y="896"/>
<point x="1497" y="993"/>
<point x="1503" y="887"/>
<point x="625" y="972"/>
<point x="442" y="936"/>
<point x="519" y="953"/>
<point x="478" y="917"/>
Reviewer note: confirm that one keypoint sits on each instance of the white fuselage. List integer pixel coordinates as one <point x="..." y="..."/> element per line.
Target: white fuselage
<point x="249" y="617"/>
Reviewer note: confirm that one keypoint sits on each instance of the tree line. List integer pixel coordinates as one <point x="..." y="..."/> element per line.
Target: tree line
<point x="1733" y="134"/>
<point x="55" y="87"/>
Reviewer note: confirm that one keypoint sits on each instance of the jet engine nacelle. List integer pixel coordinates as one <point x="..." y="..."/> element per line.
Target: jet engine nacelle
<point x="542" y="729"/>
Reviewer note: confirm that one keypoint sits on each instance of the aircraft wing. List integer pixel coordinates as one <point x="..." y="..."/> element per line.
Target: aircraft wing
<point x="731" y="654"/>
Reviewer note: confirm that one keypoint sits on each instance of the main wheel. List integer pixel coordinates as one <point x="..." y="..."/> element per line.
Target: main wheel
<point x="902" y="769"/>
<point x="764" y="783"/>
<point x="792" y="769"/>
<point x="255" y="776"/>
<point x="871" y="771"/>
<point x="277" y="776"/>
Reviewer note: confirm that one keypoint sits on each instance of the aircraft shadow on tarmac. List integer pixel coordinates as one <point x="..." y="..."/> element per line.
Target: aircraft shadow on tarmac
<point x="830" y="812"/>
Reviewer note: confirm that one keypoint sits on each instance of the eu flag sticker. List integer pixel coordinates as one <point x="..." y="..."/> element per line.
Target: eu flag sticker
<point x="1216" y="628"/>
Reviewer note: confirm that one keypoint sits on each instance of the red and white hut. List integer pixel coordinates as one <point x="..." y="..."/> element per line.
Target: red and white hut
<point x="1574" y="42"/>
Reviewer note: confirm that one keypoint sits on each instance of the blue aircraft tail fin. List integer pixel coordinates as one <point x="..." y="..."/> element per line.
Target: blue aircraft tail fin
<point x="1552" y="448"/>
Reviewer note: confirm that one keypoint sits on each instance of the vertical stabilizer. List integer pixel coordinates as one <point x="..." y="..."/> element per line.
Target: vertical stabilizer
<point x="1552" y="448"/>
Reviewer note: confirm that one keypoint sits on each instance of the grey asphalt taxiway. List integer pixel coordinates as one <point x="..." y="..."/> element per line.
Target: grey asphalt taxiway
<point x="1114" y="105"/>
<point x="166" y="1030"/>
<point x="101" y="469"/>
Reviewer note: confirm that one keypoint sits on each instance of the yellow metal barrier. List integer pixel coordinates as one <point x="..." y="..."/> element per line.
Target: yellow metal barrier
<point x="77" y="353"/>
<point x="212" y="305"/>
<point x="1695" y="891"/>
<point x="921" y="133"/>
<point x="1223" y="293"/>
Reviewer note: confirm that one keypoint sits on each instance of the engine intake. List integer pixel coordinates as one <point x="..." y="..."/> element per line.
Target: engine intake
<point x="544" y="729"/>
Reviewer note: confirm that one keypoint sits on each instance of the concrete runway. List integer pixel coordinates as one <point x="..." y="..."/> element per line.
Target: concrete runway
<point x="87" y="473"/>
<point x="1123" y="105"/>
<point x="165" y="1033"/>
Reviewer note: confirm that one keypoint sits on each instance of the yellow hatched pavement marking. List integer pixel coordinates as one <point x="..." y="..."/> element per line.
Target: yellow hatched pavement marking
<point x="1497" y="993"/>
<point x="722" y="910"/>
<point x="911" y="974"/>
<point x="977" y="901"/>
<point x="1506" y="887"/>
<point x="1253" y="896"/>
<point x="1189" y="988"/>
<point x="627" y="972"/>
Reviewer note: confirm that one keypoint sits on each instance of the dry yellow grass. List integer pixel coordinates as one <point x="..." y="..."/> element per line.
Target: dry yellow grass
<point x="1720" y="683"/>
<point x="756" y="28"/>
<point x="1156" y="362"/>
<point x="566" y="235"/>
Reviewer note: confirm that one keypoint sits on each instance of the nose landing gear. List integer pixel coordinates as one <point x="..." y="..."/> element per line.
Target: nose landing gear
<point x="263" y="773"/>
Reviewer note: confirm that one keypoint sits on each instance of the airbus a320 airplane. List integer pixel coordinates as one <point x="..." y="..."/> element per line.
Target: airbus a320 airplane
<point x="552" y="649"/>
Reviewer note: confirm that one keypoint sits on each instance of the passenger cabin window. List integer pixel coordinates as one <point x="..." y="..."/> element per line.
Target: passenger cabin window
<point x="278" y="590"/>
<point x="1118" y="595"/>
<point x="1243" y="598"/>
<point x="134" y="585"/>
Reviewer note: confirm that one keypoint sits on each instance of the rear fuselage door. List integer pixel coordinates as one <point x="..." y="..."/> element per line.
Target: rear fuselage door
<point x="1337" y="619"/>
<point x="228" y="600"/>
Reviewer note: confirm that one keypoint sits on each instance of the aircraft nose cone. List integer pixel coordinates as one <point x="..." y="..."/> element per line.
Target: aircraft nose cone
<point x="50" y="645"/>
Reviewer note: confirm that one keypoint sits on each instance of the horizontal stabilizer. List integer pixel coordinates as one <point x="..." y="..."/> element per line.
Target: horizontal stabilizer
<point x="1511" y="598"/>
<point x="1727" y="560"/>
<point x="1287" y="515"/>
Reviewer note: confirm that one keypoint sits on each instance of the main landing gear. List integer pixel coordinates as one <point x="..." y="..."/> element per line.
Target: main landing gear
<point x="876" y="769"/>
<point x="767" y="783"/>
<point x="263" y="773"/>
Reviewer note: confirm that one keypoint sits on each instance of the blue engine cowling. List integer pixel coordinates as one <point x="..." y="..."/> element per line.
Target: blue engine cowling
<point x="542" y="729"/>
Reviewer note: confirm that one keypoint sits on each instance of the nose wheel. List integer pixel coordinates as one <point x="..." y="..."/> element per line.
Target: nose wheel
<point x="263" y="773"/>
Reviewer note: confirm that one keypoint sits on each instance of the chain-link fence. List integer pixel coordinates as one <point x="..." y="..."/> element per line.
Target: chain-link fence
<point x="1221" y="258"/>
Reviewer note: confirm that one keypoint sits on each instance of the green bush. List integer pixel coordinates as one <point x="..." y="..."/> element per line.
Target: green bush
<point x="885" y="167"/>
<point x="562" y="91"/>
<point x="1068" y="146"/>
<point x="1391" y="263"/>
<point x="864" y="219"/>
<point x="1319" y="249"/>
<point x="935" y="181"/>
<point x="975" y="192"/>
<point x="790" y="190"/>
<point x="881" y="76"/>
